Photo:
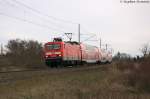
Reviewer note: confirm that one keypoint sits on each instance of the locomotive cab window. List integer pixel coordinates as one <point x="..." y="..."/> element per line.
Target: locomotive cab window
<point x="53" y="46"/>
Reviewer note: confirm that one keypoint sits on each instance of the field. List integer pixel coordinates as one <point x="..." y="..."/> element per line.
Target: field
<point x="104" y="82"/>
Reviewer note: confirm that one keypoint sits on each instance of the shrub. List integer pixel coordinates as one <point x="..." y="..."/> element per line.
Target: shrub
<point x="23" y="53"/>
<point x="137" y="74"/>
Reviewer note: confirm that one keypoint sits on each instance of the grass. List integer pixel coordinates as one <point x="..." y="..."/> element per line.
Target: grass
<point x="55" y="84"/>
<point x="138" y="74"/>
<point x="99" y="83"/>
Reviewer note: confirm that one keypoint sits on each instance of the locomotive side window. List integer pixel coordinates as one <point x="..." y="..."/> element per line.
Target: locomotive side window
<point x="53" y="46"/>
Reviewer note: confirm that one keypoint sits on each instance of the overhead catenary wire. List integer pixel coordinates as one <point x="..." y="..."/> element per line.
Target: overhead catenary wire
<point x="26" y="20"/>
<point x="85" y="30"/>
<point x="89" y="38"/>
<point x="87" y="34"/>
<point x="29" y="21"/>
<point x="44" y="14"/>
<point x="39" y="16"/>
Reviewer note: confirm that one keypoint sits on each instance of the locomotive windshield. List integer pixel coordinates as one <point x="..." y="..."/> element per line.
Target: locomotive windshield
<point x="53" y="46"/>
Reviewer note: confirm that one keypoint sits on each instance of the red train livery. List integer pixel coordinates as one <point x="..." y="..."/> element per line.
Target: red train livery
<point x="60" y="53"/>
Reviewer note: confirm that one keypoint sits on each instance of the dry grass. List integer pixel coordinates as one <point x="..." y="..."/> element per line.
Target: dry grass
<point x="135" y="74"/>
<point x="108" y="83"/>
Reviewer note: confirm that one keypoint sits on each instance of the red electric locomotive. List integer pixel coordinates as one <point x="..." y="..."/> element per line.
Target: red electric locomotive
<point x="59" y="53"/>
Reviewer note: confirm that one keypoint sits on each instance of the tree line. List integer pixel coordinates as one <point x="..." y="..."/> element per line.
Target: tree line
<point x="145" y="54"/>
<point x="22" y="53"/>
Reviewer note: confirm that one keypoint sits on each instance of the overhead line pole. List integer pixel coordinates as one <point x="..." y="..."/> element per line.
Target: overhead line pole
<point x="79" y="32"/>
<point x="1" y="49"/>
<point x="106" y="46"/>
<point x="100" y="42"/>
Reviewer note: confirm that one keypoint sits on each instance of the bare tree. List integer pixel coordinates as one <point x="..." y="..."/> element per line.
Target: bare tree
<point x="145" y="50"/>
<point x="122" y="56"/>
<point x="24" y="52"/>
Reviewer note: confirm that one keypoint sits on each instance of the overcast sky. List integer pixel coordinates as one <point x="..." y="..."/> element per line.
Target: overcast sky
<point x="125" y="26"/>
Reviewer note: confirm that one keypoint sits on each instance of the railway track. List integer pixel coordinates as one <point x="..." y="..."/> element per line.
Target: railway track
<point x="9" y="77"/>
<point x="23" y="70"/>
<point x="49" y="69"/>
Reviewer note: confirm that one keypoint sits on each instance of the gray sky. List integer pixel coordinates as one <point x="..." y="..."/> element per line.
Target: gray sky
<point x="125" y="26"/>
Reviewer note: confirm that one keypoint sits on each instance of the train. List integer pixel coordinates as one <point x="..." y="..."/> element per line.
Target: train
<point x="64" y="53"/>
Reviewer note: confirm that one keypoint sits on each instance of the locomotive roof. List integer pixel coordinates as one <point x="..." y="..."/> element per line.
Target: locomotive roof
<point x="72" y="42"/>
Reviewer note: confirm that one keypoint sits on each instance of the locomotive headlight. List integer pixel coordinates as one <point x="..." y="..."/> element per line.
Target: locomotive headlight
<point x="57" y="52"/>
<point x="48" y="53"/>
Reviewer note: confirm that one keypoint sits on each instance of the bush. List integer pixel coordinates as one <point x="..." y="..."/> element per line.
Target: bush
<point x="23" y="53"/>
<point x="143" y="75"/>
<point x="137" y="74"/>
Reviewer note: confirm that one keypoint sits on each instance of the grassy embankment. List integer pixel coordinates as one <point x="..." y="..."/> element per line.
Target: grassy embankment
<point x="103" y="83"/>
